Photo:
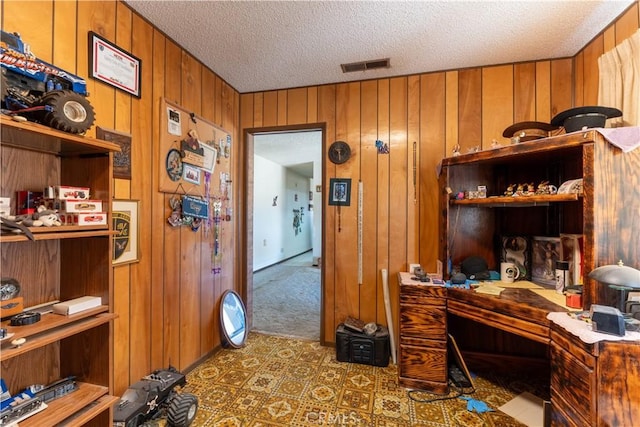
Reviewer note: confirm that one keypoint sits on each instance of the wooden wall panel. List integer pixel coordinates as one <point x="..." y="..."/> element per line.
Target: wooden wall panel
<point x="18" y="18"/>
<point x="470" y="108"/>
<point x="369" y="177"/>
<point x="497" y="103"/>
<point x="451" y="110"/>
<point x="397" y="188"/>
<point x="64" y="38"/>
<point x="543" y="91"/>
<point x="296" y="106"/>
<point x="142" y="130"/>
<point x="413" y="175"/>
<point x="327" y="114"/>
<point x="384" y="207"/>
<point x="524" y="92"/>
<point x="434" y="113"/>
<point x="158" y="208"/>
<point x="627" y="25"/>
<point x="561" y="85"/>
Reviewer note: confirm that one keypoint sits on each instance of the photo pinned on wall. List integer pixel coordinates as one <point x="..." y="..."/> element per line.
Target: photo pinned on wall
<point x="191" y="174"/>
<point x="516" y="249"/>
<point x="545" y="251"/>
<point x="340" y="191"/>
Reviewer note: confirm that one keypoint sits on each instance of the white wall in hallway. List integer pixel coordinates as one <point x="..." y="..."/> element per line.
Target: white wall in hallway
<point x="274" y="235"/>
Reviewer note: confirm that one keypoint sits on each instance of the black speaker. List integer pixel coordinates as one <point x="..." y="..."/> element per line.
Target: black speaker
<point x="361" y="348"/>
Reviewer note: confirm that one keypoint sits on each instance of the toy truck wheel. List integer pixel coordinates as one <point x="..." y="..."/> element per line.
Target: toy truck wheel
<point x="182" y="410"/>
<point x="70" y="112"/>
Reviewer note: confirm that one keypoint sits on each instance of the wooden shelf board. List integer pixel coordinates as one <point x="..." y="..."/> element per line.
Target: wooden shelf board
<point x="29" y="135"/>
<point x="503" y="201"/>
<point x="52" y="328"/>
<point x="87" y="401"/>
<point x="62" y="232"/>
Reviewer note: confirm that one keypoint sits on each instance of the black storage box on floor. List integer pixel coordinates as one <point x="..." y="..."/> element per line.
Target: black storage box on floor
<point x="359" y="347"/>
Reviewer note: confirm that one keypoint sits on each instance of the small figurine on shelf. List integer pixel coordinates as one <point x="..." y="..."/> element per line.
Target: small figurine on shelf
<point x="529" y="189"/>
<point x="510" y="190"/>
<point x="475" y="149"/>
<point x="545" y="188"/>
<point x="519" y="190"/>
<point x="456" y="150"/>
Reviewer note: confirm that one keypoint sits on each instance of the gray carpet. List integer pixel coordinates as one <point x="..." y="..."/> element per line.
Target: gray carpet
<point x="286" y="299"/>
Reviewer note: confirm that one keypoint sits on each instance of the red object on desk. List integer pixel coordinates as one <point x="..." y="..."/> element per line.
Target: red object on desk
<point x="574" y="300"/>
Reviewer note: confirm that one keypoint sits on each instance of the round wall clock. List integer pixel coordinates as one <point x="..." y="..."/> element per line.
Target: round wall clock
<point x="339" y="152"/>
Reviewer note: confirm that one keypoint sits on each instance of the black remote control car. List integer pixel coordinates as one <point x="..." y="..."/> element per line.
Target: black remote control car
<point x="155" y="397"/>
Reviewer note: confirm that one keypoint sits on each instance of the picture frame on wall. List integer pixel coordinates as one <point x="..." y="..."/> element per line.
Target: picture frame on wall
<point x="124" y="220"/>
<point x="122" y="159"/>
<point x="340" y="191"/>
<point x="545" y="251"/>
<point x="517" y="249"/>
<point x="113" y="65"/>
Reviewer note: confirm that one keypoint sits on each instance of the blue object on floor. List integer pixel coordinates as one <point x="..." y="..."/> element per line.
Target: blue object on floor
<point x="476" y="405"/>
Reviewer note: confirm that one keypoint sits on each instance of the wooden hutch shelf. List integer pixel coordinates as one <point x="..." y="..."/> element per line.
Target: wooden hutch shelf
<point x="59" y="264"/>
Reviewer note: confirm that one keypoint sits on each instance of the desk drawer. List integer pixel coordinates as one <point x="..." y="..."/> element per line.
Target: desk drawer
<point x="423" y="294"/>
<point x="573" y="384"/>
<point x="423" y="321"/>
<point x="423" y="364"/>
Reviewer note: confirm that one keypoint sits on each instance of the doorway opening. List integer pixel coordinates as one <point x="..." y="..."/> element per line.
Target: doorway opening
<point x="284" y="235"/>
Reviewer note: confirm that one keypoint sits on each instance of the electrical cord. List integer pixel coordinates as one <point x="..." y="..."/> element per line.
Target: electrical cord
<point x="460" y="391"/>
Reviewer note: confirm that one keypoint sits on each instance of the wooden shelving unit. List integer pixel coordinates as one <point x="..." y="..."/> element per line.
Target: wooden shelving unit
<point x="58" y="264"/>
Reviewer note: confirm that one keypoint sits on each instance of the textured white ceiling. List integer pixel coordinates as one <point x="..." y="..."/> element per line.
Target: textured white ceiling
<point x="264" y="45"/>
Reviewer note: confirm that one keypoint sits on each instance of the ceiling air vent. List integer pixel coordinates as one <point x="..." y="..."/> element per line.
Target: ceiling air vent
<point x="365" y="65"/>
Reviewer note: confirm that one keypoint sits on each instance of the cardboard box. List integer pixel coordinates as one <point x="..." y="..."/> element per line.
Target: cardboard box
<point x="83" y="218"/>
<point x="5" y="206"/>
<point x="73" y="205"/>
<point x="71" y="193"/>
<point x="73" y="306"/>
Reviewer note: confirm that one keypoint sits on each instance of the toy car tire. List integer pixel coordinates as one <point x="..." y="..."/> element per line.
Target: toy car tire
<point x="182" y="410"/>
<point x="71" y="112"/>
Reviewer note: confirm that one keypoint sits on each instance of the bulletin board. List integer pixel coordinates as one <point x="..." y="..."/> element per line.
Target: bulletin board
<point x="194" y="153"/>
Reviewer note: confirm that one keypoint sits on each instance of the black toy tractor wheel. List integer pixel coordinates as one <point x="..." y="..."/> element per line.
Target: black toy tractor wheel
<point x="71" y="112"/>
<point x="182" y="410"/>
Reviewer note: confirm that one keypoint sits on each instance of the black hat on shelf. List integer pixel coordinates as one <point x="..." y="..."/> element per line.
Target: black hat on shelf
<point x="527" y="131"/>
<point x="475" y="268"/>
<point x="575" y="119"/>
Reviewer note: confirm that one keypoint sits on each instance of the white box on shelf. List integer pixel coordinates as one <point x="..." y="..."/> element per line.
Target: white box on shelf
<point x="63" y="192"/>
<point x="73" y="306"/>
<point x="83" y="218"/>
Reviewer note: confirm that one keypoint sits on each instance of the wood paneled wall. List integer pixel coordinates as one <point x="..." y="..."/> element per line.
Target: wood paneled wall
<point x="167" y="304"/>
<point x="421" y="118"/>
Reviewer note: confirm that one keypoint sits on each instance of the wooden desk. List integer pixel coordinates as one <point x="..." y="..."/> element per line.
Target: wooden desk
<point x="424" y="311"/>
<point x="591" y="384"/>
<point x="518" y="311"/>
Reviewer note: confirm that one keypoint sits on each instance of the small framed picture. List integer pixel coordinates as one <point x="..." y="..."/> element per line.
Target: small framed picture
<point x="191" y="174"/>
<point x="124" y="217"/>
<point x="545" y="251"/>
<point x="340" y="191"/>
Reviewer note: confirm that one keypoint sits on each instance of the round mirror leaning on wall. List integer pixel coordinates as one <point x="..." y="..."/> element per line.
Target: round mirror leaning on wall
<point x="233" y="320"/>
